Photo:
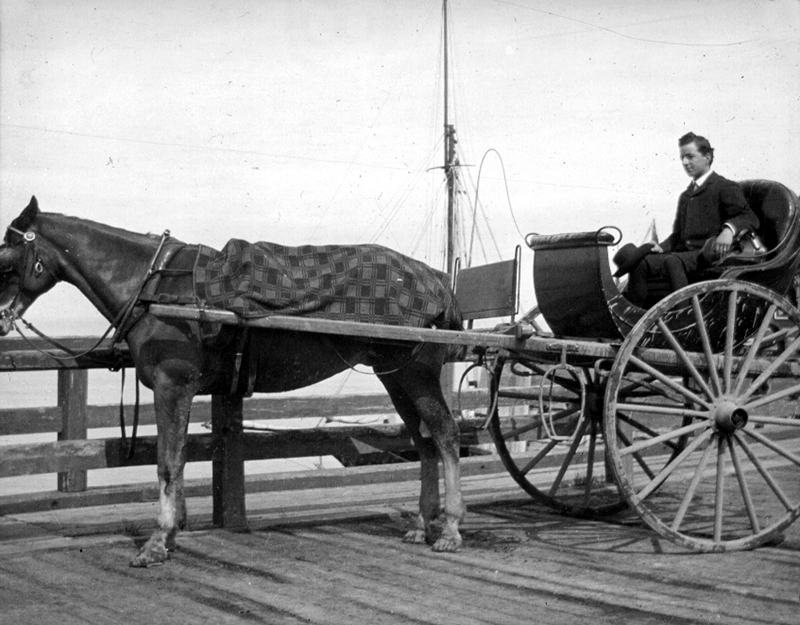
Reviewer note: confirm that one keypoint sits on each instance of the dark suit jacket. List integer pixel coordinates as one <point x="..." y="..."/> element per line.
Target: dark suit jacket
<point x="703" y="213"/>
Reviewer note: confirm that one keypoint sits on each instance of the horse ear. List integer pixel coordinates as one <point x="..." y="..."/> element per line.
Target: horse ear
<point x="28" y="216"/>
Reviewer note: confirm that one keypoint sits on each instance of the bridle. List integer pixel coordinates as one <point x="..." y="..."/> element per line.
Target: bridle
<point x="32" y="266"/>
<point x="123" y="322"/>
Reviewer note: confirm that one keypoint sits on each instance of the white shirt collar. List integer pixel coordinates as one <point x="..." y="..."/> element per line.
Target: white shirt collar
<point x="699" y="182"/>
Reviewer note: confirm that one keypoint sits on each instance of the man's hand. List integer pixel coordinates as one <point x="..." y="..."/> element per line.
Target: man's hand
<point x="656" y="248"/>
<point x="723" y="243"/>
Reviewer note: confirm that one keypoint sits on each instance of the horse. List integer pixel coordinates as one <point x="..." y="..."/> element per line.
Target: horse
<point x="179" y="359"/>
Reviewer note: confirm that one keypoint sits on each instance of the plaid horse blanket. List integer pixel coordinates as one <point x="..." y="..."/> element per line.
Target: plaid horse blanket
<point x="365" y="283"/>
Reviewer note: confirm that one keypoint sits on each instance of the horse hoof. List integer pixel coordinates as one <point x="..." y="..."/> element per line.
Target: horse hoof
<point x="416" y="537"/>
<point x="150" y="557"/>
<point x="447" y="545"/>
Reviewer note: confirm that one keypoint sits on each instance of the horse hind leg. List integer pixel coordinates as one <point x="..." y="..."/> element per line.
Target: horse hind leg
<point x="416" y="393"/>
<point x="429" y="501"/>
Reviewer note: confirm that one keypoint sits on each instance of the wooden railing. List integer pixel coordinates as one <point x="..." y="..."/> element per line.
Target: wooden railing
<point x="227" y="446"/>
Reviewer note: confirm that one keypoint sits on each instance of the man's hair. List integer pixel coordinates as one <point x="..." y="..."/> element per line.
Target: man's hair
<point x="703" y="145"/>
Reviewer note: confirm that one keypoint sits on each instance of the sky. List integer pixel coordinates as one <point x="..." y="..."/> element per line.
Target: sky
<point x="320" y="121"/>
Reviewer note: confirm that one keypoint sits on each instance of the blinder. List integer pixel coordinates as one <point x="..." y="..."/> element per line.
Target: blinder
<point x="29" y="237"/>
<point x="31" y="266"/>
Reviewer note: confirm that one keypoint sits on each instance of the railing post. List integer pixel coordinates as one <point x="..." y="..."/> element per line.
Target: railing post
<point x="73" y="387"/>
<point x="228" y="462"/>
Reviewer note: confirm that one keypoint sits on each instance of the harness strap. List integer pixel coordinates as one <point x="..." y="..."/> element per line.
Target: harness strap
<point x="126" y="316"/>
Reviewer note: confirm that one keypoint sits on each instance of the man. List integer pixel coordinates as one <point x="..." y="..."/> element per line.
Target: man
<point x="711" y="213"/>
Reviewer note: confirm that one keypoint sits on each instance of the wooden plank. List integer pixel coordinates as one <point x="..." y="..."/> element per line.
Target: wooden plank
<point x="259" y="483"/>
<point x="228" y="462"/>
<point x="73" y="389"/>
<point x="48" y="419"/>
<point x="35" y="354"/>
<point x="110" y="453"/>
<point x="377" y="331"/>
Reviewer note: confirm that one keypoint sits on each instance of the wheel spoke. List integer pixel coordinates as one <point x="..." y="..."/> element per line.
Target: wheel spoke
<point x="516" y="431"/>
<point x="781" y="336"/>
<point x="643" y="428"/>
<point x="743" y="488"/>
<point x="587" y="492"/>
<point x="768" y="399"/>
<point x="756" y="345"/>
<point x="707" y="351"/>
<point x="763" y="471"/>
<point x="684" y="358"/>
<point x="664" y="410"/>
<point x="784" y="421"/>
<point x="636" y="455"/>
<point x="773" y="446"/>
<point x="687" y="498"/>
<point x="681" y="390"/>
<point x="719" y="495"/>
<point x="687" y="429"/>
<point x="729" y="336"/>
<point x="673" y="465"/>
<point x="576" y="441"/>
<point x="773" y="366"/>
<point x="538" y="457"/>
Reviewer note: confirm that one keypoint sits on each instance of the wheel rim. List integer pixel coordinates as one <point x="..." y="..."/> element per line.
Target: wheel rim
<point x="569" y="472"/>
<point x="712" y="459"/>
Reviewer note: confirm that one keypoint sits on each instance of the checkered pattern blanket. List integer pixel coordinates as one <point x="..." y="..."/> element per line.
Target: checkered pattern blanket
<point x="365" y="283"/>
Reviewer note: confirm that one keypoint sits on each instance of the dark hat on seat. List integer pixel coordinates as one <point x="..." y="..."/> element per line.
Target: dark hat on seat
<point x="628" y="256"/>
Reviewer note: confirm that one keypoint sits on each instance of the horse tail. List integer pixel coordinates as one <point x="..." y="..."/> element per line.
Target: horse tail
<point x="451" y="319"/>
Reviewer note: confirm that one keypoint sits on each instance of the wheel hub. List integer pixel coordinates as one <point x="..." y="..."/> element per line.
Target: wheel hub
<point x="729" y="417"/>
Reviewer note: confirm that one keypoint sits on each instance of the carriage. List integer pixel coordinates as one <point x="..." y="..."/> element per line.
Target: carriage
<point x="677" y="411"/>
<point x="685" y="412"/>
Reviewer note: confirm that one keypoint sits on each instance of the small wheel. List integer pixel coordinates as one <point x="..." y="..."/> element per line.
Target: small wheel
<point x="551" y="439"/>
<point x="711" y="459"/>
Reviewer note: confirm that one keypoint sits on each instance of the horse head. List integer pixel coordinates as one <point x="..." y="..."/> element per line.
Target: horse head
<point x="24" y="275"/>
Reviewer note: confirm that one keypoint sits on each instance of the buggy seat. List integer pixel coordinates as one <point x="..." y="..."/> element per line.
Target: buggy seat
<point x="578" y="297"/>
<point x="777" y="210"/>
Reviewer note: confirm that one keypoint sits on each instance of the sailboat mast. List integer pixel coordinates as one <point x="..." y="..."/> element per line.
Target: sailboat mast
<point x="449" y="157"/>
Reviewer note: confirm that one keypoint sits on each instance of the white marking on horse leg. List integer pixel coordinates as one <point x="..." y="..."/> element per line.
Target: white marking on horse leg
<point x="455" y="510"/>
<point x="172" y="402"/>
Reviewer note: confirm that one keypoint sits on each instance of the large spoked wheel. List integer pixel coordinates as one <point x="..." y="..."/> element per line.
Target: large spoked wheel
<point x="547" y="428"/>
<point x="711" y="458"/>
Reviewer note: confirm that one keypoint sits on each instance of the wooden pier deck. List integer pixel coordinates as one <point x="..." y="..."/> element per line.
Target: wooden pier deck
<point x="334" y="555"/>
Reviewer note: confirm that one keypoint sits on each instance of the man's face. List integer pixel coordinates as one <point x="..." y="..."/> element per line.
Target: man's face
<point x="693" y="162"/>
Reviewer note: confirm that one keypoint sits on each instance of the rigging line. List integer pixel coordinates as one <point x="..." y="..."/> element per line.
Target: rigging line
<point x="624" y="36"/>
<point x="432" y="211"/>
<point x="508" y="196"/>
<point x="488" y="223"/>
<point x="388" y="93"/>
<point x="398" y="204"/>
<point x="172" y="144"/>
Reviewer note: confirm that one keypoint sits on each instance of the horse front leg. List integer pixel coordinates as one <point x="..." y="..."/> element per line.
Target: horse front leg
<point x="172" y="404"/>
